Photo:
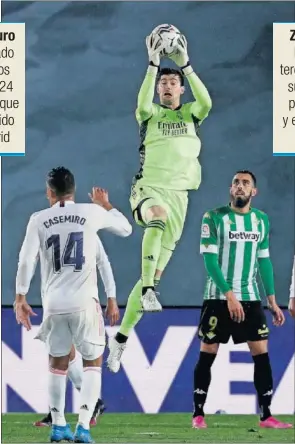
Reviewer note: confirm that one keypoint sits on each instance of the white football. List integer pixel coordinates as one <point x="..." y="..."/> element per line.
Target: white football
<point x="169" y="35"/>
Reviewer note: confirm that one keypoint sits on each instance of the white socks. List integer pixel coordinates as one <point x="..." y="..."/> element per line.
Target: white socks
<point x="87" y="380"/>
<point x="75" y="371"/>
<point x="91" y="387"/>
<point x="57" y="395"/>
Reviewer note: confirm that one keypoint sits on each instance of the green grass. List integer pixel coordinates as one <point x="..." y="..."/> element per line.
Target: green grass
<point x="162" y="428"/>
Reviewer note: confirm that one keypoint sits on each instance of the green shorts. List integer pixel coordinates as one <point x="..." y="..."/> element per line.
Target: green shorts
<point x="175" y="204"/>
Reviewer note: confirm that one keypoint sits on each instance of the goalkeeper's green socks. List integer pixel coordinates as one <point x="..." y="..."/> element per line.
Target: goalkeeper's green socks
<point x="132" y="314"/>
<point x="151" y="249"/>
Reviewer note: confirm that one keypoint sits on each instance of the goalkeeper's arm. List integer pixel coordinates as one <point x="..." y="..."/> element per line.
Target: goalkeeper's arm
<point x="202" y="105"/>
<point x="146" y="94"/>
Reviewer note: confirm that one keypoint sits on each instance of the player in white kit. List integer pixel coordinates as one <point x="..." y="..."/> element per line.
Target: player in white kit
<point x="75" y="368"/>
<point x="63" y="237"/>
<point x="292" y="294"/>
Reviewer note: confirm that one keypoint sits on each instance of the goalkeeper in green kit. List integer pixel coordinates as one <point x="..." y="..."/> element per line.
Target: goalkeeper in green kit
<point x="169" y="168"/>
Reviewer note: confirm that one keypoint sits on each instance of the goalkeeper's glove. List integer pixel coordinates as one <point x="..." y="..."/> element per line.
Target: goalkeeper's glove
<point x="180" y="56"/>
<point x="154" y="46"/>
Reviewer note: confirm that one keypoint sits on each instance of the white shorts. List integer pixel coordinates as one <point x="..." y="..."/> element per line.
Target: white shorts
<point x="83" y="329"/>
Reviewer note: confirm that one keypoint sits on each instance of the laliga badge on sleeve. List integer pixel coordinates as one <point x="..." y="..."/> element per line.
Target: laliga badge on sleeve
<point x="205" y="231"/>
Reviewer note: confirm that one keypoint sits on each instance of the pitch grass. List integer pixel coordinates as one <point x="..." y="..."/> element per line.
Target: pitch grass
<point x="161" y="428"/>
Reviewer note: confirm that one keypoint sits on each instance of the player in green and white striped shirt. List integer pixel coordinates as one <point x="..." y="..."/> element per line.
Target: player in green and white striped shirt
<point x="239" y="240"/>
<point x="235" y="245"/>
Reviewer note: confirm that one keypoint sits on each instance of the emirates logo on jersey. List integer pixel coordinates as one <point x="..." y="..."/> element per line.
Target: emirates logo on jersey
<point x="173" y="128"/>
<point x="244" y="236"/>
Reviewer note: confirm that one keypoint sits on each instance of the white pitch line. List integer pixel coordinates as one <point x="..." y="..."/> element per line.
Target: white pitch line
<point x="149" y="433"/>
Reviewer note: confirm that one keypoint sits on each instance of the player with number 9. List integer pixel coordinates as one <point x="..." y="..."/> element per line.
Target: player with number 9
<point x="235" y="245"/>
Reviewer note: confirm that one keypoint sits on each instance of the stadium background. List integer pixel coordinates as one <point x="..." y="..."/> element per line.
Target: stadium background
<point x="85" y="64"/>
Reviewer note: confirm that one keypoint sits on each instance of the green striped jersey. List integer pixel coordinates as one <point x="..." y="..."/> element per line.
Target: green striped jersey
<point x="238" y="240"/>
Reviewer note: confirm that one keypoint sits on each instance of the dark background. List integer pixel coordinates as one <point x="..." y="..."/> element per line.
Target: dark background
<point x="85" y="65"/>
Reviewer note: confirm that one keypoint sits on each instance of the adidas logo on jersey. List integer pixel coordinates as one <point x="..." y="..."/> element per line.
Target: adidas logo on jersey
<point x="251" y="236"/>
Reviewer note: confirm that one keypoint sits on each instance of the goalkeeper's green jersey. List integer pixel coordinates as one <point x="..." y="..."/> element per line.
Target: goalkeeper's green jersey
<point x="239" y="240"/>
<point x="169" y="139"/>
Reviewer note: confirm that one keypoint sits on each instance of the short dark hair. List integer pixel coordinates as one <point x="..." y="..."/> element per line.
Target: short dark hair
<point x="250" y="174"/>
<point x="168" y="72"/>
<point x="61" y="181"/>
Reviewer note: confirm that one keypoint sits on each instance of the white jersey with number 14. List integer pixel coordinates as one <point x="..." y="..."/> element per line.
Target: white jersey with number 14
<point x="64" y="238"/>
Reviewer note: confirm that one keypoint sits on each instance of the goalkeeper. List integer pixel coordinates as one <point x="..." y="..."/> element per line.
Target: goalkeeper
<point x="169" y="167"/>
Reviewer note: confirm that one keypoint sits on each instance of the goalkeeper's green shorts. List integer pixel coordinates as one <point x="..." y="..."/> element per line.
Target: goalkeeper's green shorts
<point x="175" y="204"/>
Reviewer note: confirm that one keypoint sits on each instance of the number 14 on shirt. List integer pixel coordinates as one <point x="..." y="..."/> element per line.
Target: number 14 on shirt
<point x="72" y="255"/>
